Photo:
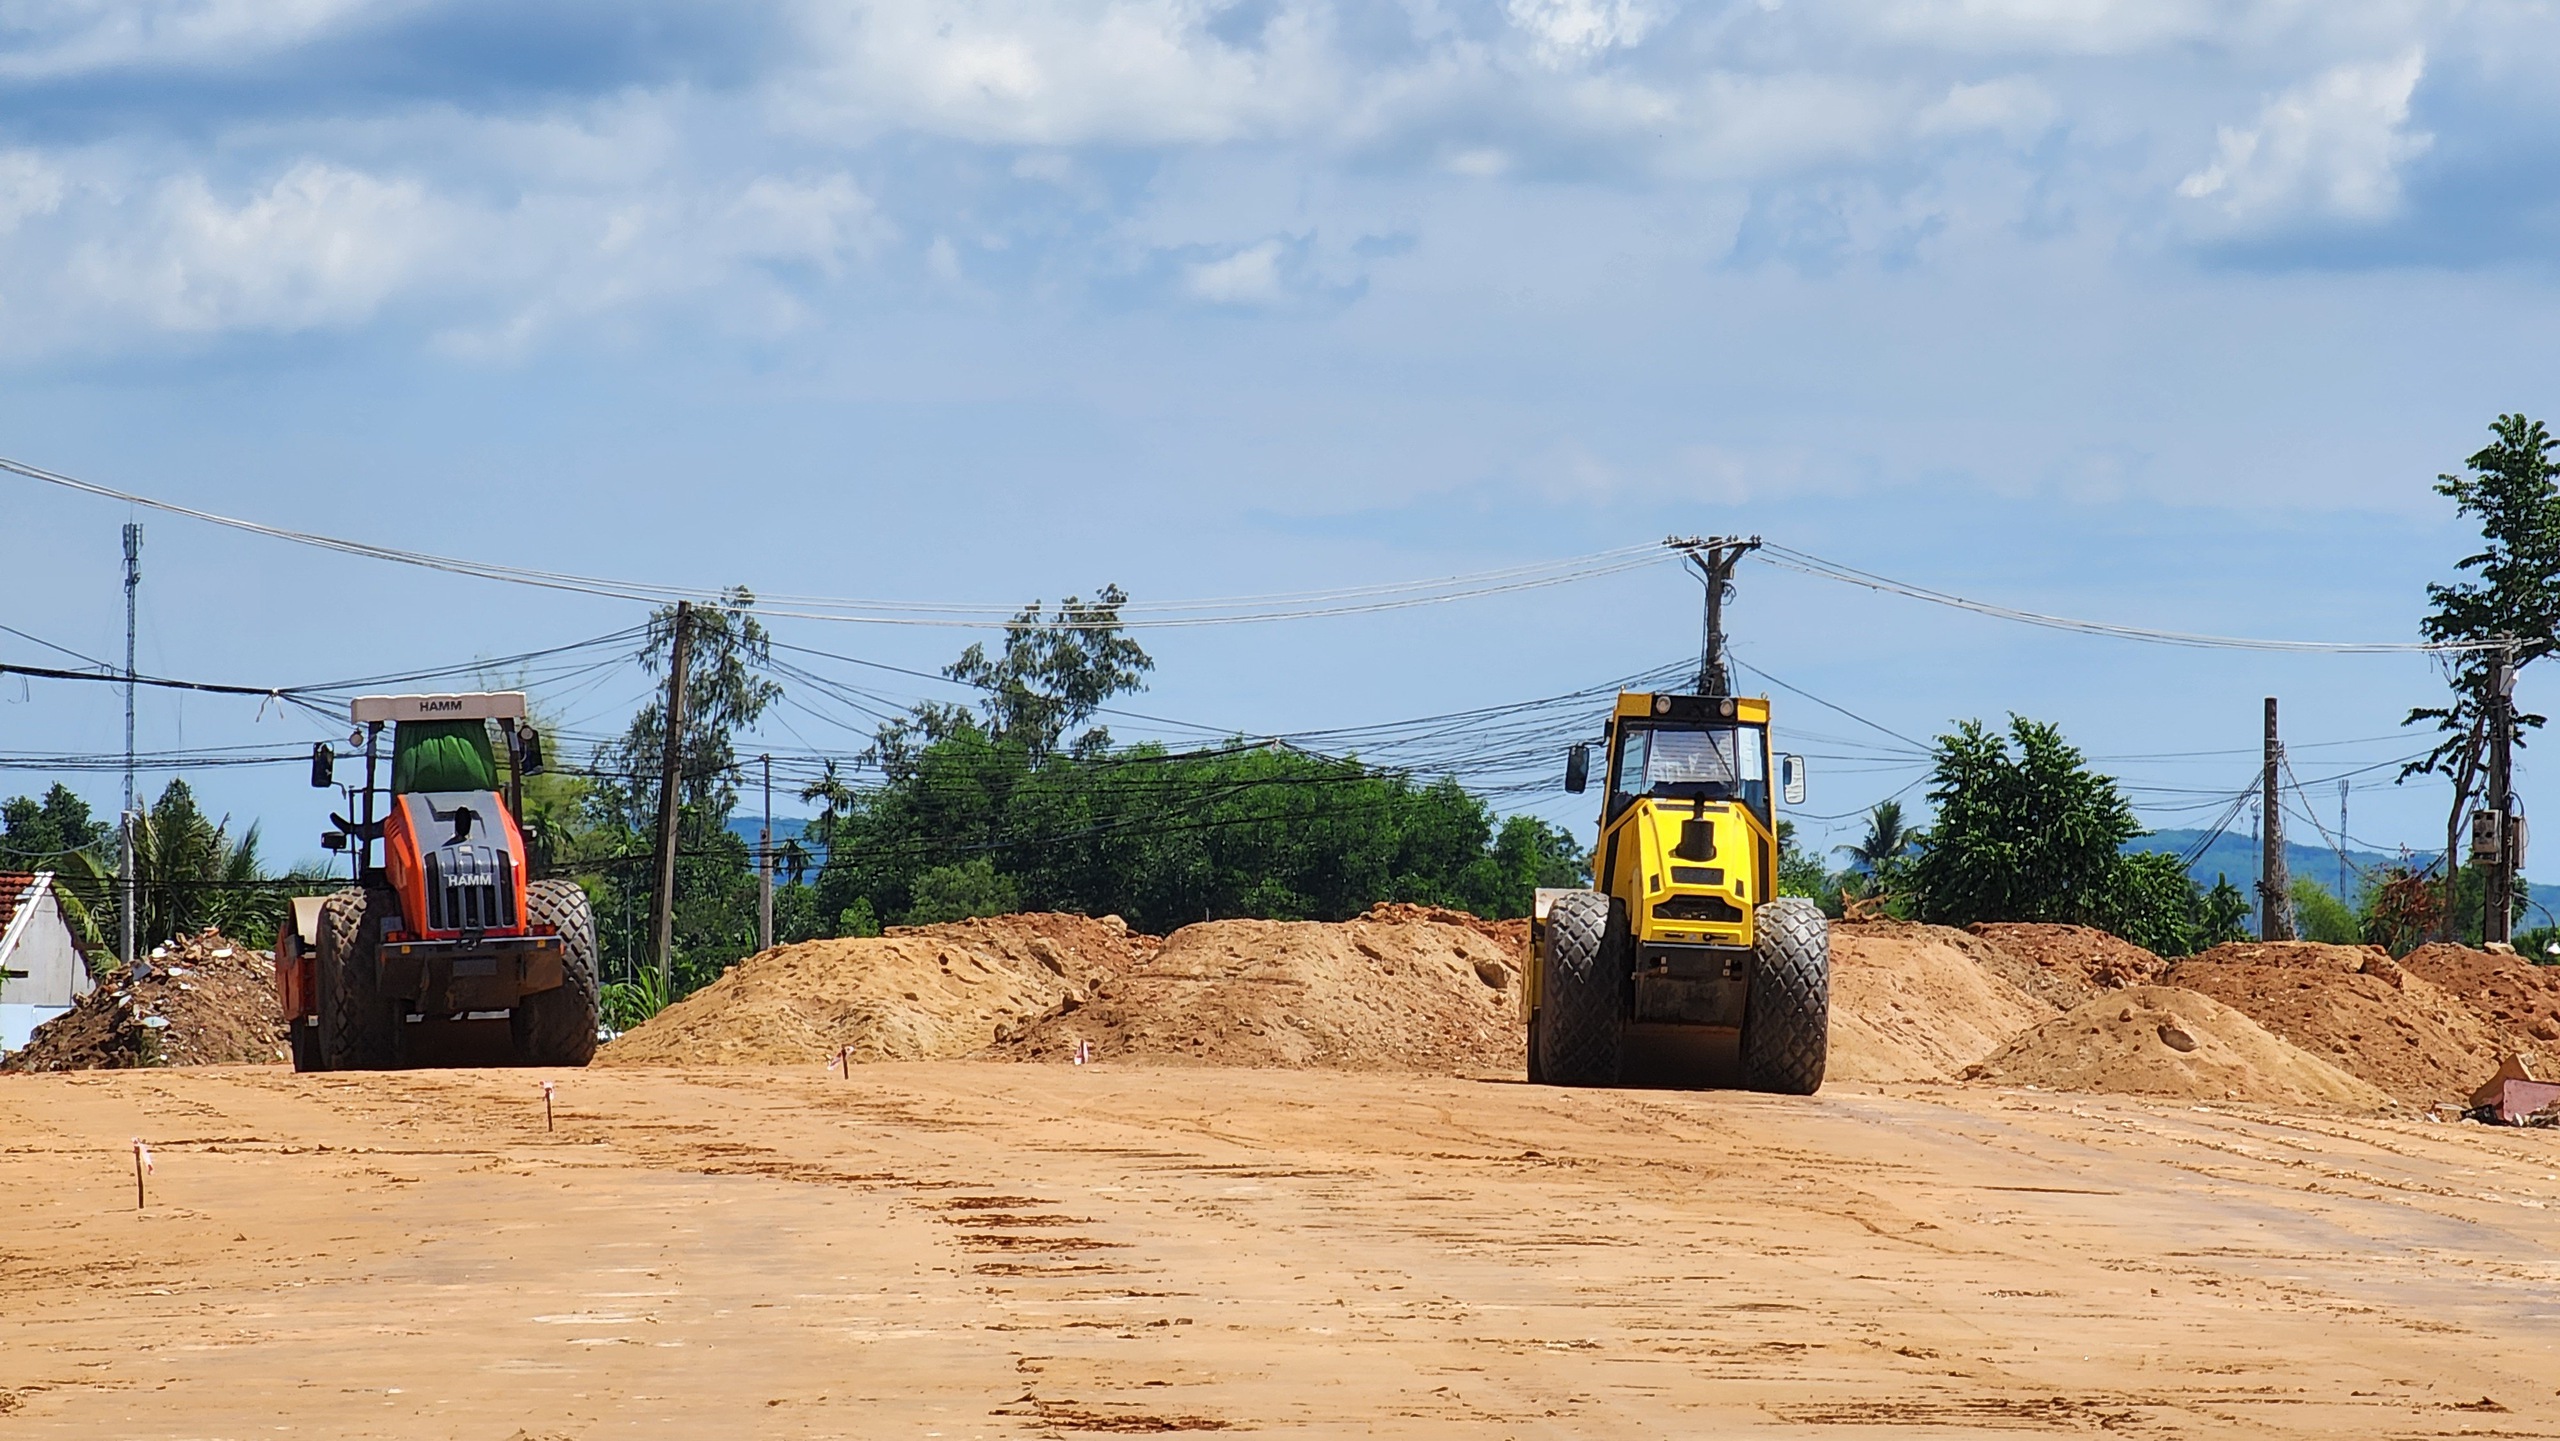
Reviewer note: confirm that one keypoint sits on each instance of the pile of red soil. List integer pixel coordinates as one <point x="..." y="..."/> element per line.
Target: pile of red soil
<point x="1912" y="1002"/>
<point x="916" y="993"/>
<point x="2355" y="1008"/>
<point x="2064" y="964"/>
<point x="200" y="1000"/>
<point x="2513" y="997"/>
<point x="2165" y="1041"/>
<point x="1512" y="933"/>
<point x="1383" y="993"/>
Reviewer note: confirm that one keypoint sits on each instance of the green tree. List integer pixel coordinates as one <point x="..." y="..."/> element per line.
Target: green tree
<point x="2023" y="834"/>
<point x="1056" y="671"/>
<point x="1888" y="842"/>
<point x="726" y="692"/>
<point x="2512" y="599"/>
<point x="190" y="873"/>
<point x="2223" y="914"/>
<point x="2025" y="831"/>
<point x="957" y="892"/>
<point x="1159" y="837"/>
<point x="2319" y="915"/>
<point x="41" y="835"/>
<point x="1801" y="873"/>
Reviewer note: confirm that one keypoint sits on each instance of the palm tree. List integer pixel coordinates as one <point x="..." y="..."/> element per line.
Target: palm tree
<point x="1888" y="841"/>
<point x="190" y="874"/>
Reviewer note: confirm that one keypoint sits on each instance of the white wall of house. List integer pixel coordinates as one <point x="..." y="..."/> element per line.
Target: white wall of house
<point x="41" y="970"/>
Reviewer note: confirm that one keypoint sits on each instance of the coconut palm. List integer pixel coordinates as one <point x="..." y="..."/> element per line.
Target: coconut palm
<point x="190" y="874"/>
<point x="1889" y="841"/>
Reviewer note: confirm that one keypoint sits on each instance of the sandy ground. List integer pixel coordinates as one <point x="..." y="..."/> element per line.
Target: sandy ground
<point x="957" y="1249"/>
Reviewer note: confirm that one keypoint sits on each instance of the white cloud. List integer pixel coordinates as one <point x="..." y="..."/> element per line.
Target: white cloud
<point x="2329" y="149"/>
<point x="1739" y="125"/>
<point x="1251" y="276"/>
<point x="2015" y="108"/>
<point x="321" y="246"/>
<point x="1060" y="72"/>
<point x="1566" y="32"/>
<point x="29" y="186"/>
<point x="823" y="221"/>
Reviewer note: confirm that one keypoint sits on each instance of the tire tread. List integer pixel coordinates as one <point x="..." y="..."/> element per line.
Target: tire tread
<point x="557" y="1027"/>
<point x="1786" y="1023"/>
<point x="1581" y="1027"/>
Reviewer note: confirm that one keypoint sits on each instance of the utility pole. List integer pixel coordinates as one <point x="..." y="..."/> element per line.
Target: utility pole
<point x="128" y="892"/>
<point x="2275" y="901"/>
<point x="2342" y="842"/>
<point x="1715" y="557"/>
<point x="2497" y="920"/>
<point x="662" y="917"/>
<point x="764" y="865"/>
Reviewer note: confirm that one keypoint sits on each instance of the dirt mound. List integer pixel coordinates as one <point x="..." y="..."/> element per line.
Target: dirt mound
<point x="1917" y="1003"/>
<point x="2167" y="1041"/>
<point x="2064" y="964"/>
<point x="2355" y="1008"/>
<point x="2307" y="955"/>
<point x="921" y="993"/>
<point x="201" y="1000"/>
<point x="2511" y="996"/>
<point x="1513" y="933"/>
<point x="1365" y="995"/>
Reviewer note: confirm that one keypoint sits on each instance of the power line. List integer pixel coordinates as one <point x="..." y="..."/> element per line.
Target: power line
<point x="1808" y="564"/>
<point x="1229" y="610"/>
<point x="60" y="649"/>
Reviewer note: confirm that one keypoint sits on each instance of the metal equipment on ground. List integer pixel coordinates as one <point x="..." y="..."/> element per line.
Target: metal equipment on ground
<point x="449" y="937"/>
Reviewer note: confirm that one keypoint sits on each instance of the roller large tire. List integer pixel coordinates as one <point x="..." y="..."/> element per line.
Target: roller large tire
<point x="557" y="1027"/>
<point x="356" y="1023"/>
<point x="1583" y="1000"/>
<point x="1786" y="1024"/>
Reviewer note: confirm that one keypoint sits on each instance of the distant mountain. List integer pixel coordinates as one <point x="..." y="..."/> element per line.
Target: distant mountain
<point x="2236" y="856"/>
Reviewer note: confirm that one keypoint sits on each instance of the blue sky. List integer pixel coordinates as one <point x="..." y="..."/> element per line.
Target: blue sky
<point x="2163" y="313"/>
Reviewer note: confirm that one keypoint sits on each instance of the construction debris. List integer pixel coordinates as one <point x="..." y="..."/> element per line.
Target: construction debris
<point x="201" y="1000"/>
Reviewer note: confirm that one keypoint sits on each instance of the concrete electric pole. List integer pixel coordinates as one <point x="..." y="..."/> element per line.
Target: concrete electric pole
<point x="764" y="865"/>
<point x="127" y="886"/>
<point x="662" y="917"/>
<point x="2275" y="899"/>
<point x="1715" y="559"/>
<point x="2497" y="919"/>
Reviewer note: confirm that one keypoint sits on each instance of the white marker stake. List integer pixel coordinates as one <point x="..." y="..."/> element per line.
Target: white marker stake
<point x="546" y="1105"/>
<point x="141" y="1164"/>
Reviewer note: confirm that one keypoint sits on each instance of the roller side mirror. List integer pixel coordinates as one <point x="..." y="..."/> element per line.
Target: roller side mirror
<point x="1577" y="769"/>
<point x="324" y="766"/>
<point x="1791" y="775"/>
<point x="528" y="751"/>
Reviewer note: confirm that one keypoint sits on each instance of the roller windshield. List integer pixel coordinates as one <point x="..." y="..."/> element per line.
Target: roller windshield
<point x="1718" y="762"/>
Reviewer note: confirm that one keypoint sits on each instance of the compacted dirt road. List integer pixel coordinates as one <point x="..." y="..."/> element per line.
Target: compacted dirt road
<point x="957" y="1250"/>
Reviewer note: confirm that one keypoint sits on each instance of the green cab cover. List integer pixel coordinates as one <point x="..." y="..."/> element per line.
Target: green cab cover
<point x="442" y="755"/>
